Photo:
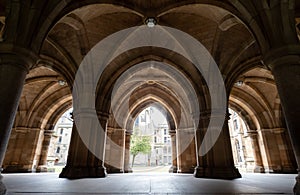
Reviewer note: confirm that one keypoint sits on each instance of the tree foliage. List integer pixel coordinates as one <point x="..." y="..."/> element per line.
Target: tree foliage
<point x="139" y="144"/>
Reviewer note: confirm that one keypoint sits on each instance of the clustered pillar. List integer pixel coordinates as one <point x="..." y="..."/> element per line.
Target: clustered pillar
<point x="12" y="77"/>
<point x="114" y="150"/>
<point x="218" y="162"/>
<point x="186" y="150"/>
<point x="285" y="65"/>
<point x="127" y="165"/>
<point x="82" y="163"/>
<point x="44" y="151"/>
<point x="173" y="168"/>
<point x="256" y="151"/>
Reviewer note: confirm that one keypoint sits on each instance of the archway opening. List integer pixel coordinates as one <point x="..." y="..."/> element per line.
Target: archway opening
<point x="150" y="148"/>
<point x="242" y="149"/>
<point x="60" y="142"/>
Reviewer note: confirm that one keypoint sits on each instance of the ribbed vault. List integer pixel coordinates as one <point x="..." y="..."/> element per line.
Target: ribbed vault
<point x="152" y="82"/>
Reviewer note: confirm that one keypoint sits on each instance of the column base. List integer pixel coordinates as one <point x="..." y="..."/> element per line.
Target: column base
<point x="217" y="172"/>
<point x="289" y="170"/>
<point x="128" y="170"/>
<point x="173" y="169"/>
<point x="114" y="170"/>
<point x="83" y="172"/>
<point x="259" y="169"/>
<point x="2" y="186"/>
<point x="42" y="169"/>
<point x="16" y="169"/>
<point x="186" y="170"/>
<point x="297" y="186"/>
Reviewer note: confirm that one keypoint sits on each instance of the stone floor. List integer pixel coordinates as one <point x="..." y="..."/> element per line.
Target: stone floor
<point x="148" y="183"/>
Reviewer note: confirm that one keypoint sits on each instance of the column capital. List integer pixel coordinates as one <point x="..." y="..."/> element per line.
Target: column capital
<point x="103" y="115"/>
<point x="18" y="56"/>
<point x="109" y="130"/>
<point x="278" y="130"/>
<point x="187" y="130"/>
<point x="114" y="129"/>
<point x="273" y="130"/>
<point x="252" y="133"/>
<point x="129" y="132"/>
<point x="172" y="132"/>
<point x="90" y="112"/>
<point x="49" y="132"/>
<point x="26" y="129"/>
<point x="285" y="55"/>
<point x="216" y="113"/>
<point x="21" y="129"/>
<point x="205" y="114"/>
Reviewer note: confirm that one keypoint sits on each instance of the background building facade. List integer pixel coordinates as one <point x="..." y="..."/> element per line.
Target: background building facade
<point x="151" y="122"/>
<point x="60" y="140"/>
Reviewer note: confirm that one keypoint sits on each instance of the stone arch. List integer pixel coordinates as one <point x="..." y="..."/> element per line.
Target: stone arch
<point x="231" y="23"/>
<point x="64" y="8"/>
<point x="43" y="99"/>
<point x="58" y="113"/>
<point x="46" y="112"/>
<point x="255" y="98"/>
<point x="249" y="120"/>
<point x="155" y="103"/>
<point x="149" y="91"/>
<point x="254" y="107"/>
<point x="140" y="57"/>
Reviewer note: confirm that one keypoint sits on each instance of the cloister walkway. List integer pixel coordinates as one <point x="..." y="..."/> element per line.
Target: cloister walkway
<point x="148" y="183"/>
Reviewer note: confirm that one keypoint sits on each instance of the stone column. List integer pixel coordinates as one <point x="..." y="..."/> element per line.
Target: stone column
<point x="223" y="164"/>
<point x="11" y="162"/>
<point x="286" y="161"/>
<point x="200" y="132"/>
<point x="108" y="151"/>
<point x="22" y="155"/>
<point x="81" y="162"/>
<point x="13" y="70"/>
<point x="218" y="162"/>
<point x="44" y="151"/>
<point x="127" y="164"/>
<point x="114" y="150"/>
<point x="173" y="168"/>
<point x="259" y="168"/>
<point x="186" y="150"/>
<point x="284" y="63"/>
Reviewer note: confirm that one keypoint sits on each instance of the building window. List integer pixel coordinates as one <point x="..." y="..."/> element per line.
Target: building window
<point x="165" y="131"/>
<point x="235" y="124"/>
<point x="165" y="139"/>
<point x="59" y="139"/>
<point x="238" y="151"/>
<point x="155" y="140"/>
<point x="61" y="131"/>
<point x="57" y="149"/>
<point x="165" y="150"/>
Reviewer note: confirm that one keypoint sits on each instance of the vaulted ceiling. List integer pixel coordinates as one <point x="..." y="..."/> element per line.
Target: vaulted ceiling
<point x="61" y="33"/>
